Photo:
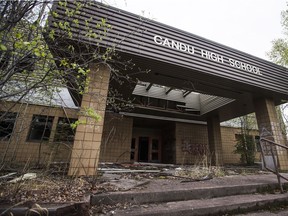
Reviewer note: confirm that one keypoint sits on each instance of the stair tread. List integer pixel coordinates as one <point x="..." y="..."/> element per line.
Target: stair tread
<point x="142" y="197"/>
<point x="205" y="206"/>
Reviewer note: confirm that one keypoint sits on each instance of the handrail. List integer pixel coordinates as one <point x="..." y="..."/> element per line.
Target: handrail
<point x="276" y="171"/>
<point x="270" y="141"/>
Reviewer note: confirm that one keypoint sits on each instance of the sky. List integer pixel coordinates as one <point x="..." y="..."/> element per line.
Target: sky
<point x="246" y="25"/>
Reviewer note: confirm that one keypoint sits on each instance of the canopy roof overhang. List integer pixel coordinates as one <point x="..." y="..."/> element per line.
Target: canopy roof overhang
<point x="226" y="80"/>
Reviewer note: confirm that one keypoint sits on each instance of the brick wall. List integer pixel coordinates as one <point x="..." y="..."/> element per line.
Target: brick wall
<point x="193" y="134"/>
<point x="116" y="139"/>
<point x="229" y="142"/>
<point x="169" y="143"/>
<point x="19" y="149"/>
<point x="270" y="127"/>
<point x="187" y="136"/>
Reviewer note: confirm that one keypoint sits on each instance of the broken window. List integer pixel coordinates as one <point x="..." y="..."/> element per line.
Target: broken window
<point x="40" y="128"/>
<point x="64" y="131"/>
<point x="7" y="121"/>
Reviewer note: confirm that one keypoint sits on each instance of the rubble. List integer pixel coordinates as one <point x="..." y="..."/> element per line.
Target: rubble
<point x="24" y="177"/>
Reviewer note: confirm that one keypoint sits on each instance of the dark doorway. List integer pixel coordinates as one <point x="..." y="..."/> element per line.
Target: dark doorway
<point x="143" y="149"/>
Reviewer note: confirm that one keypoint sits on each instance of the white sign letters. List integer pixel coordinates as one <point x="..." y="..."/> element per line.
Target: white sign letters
<point x="206" y="54"/>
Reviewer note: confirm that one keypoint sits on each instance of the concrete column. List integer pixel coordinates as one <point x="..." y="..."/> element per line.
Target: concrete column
<point x="269" y="126"/>
<point x="214" y="139"/>
<point x="86" y="147"/>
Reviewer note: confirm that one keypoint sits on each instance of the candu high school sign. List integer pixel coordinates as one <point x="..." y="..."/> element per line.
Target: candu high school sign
<point x="206" y="54"/>
<point x="177" y="54"/>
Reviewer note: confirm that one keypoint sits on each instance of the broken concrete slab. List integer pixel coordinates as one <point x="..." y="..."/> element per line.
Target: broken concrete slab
<point x="127" y="184"/>
<point x="112" y="170"/>
<point x="24" y="177"/>
<point x="110" y="176"/>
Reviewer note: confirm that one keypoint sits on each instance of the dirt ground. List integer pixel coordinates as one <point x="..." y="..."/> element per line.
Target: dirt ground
<point x="51" y="187"/>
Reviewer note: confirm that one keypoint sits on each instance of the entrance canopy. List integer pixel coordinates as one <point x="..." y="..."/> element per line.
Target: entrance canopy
<point x="179" y="75"/>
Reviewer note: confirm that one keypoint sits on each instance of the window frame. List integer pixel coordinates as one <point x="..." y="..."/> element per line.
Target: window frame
<point x="71" y="131"/>
<point x="49" y="121"/>
<point x="9" y="134"/>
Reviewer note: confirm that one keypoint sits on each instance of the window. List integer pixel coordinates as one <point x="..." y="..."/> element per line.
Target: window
<point x="64" y="131"/>
<point x="132" y="155"/>
<point x="7" y="121"/>
<point x="27" y="64"/>
<point x="156" y="102"/>
<point x="243" y="137"/>
<point x="5" y="58"/>
<point x="40" y="128"/>
<point x="155" y="150"/>
<point x="245" y="142"/>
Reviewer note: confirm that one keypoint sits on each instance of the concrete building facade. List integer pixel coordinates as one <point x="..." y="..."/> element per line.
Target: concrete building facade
<point x="182" y="87"/>
<point x="167" y="141"/>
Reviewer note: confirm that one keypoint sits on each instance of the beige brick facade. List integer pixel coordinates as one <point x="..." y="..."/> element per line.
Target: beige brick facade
<point x="117" y="136"/>
<point x="269" y="126"/>
<point x="86" y="147"/>
<point x="214" y="140"/>
<point x="229" y="142"/>
<point x="187" y="136"/>
<point x="19" y="149"/>
<point x="182" y="143"/>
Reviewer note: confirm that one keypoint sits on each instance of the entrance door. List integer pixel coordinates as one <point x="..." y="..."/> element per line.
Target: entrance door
<point x="155" y="150"/>
<point x="146" y="149"/>
<point x="143" y="149"/>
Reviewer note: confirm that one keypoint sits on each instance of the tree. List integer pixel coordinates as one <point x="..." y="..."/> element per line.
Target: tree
<point x="27" y="65"/>
<point x="283" y="120"/>
<point x="28" y="68"/>
<point x="245" y="145"/>
<point x="279" y="51"/>
<point x="279" y="55"/>
<point x="23" y="51"/>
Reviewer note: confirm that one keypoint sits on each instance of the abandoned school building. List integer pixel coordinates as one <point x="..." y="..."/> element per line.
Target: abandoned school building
<point x="193" y="85"/>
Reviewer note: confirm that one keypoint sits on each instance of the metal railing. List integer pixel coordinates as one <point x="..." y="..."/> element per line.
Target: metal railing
<point x="269" y="148"/>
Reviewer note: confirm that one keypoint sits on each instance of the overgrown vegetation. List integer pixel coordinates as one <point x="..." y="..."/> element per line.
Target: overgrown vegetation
<point x="201" y="172"/>
<point x="279" y="55"/>
<point x="245" y="145"/>
<point x="30" y="72"/>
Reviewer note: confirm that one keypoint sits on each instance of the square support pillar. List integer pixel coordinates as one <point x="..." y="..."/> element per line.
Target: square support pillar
<point x="215" y="142"/>
<point x="88" y="136"/>
<point x="269" y="124"/>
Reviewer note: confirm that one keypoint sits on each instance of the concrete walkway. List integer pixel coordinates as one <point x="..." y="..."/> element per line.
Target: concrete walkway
<point x="210" y="197"/>
<point x="169" y="197"/>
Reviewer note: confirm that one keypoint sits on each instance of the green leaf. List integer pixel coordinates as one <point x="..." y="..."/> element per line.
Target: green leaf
<point x="63" y="62"/>
<point x="3" y="47"/>
<point x="81" y="71"/>
<point x="54" y="14"/>
<point x="18" y="35"/>
<point x="37" y="53"/>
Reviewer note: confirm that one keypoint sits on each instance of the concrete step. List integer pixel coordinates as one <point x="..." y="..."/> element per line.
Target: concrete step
<point x="179" y="194"/>
<point x="57" y="209"/>
<point x="214" y="206"/>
